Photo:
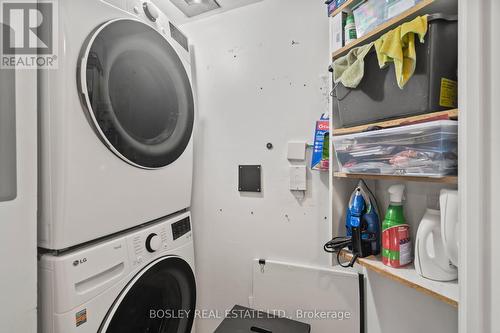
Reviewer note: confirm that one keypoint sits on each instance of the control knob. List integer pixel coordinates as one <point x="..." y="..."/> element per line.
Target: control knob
<point x="152" y="12"/>
<point x="153" y="243"/>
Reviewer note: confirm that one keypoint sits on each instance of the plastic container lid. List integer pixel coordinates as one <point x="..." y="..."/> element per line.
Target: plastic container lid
<point x="403" y="129"/>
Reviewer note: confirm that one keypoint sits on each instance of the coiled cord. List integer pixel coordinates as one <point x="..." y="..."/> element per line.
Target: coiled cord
<point x="336" y="245"/>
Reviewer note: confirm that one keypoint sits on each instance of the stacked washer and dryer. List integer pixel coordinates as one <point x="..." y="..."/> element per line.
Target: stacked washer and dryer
<point x="116" y="159"/>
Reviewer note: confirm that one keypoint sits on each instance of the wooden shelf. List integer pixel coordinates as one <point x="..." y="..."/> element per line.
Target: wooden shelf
<point x="449" y="114"/>
<point x="446" y="292"/>
<point x="347" y="4"/>
<point x="408" y="14"/>
<point x="443" y="180"/>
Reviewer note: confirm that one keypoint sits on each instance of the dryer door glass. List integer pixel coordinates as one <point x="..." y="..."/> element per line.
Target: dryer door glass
<point x="137" y="93"/>
<point x="161" y="300"/>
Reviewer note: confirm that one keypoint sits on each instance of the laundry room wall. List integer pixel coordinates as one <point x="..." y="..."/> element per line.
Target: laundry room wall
<point x="261" y="77"/>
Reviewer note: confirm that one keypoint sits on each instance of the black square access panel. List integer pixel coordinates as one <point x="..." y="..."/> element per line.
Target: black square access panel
<point x="249" y="178"/>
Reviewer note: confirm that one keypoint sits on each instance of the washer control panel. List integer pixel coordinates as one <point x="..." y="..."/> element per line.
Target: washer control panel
<point x="181" y="228"/>
<point x="163" y="236"/>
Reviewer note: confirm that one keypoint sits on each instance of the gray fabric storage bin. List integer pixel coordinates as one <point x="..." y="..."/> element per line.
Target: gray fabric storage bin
<point x="378" y="96"/>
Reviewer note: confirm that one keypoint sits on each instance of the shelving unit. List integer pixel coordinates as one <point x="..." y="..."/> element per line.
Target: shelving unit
<point x="449" y="114"/>
<point x="446" y="292"/>
<point x="443" y="180"/>
<point x="341" y="186"/>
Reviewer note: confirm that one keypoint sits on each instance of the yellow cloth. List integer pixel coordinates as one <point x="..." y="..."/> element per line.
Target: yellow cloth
<point x="398" y="46"/>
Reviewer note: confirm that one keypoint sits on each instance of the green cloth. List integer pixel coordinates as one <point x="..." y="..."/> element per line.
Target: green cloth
<point x="398" y="46"/>
<point x="350" y="69"/>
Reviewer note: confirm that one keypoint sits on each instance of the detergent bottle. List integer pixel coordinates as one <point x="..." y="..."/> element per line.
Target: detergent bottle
<point x="396" y="242"/>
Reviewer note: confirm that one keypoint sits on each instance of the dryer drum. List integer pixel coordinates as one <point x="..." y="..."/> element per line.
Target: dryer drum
<point x="160" y="299"/>
<point x="136" y="93"/>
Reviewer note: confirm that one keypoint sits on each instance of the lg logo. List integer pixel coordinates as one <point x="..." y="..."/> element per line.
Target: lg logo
<point x="79" y="261"/>
<point x="29" y="33"/>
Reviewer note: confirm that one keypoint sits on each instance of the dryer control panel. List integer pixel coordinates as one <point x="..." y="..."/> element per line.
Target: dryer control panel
<point x="148" y="12"/>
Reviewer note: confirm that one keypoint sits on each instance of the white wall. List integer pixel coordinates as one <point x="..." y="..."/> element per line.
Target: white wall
<point x="479" y="161"/>
<point x="493" y="175"/>
<point x="394" y="308"/>
<point x="480" y="136"/>
<point x="256" y="86"/>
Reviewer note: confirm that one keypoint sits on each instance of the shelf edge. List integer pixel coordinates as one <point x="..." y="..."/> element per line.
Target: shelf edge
<point x="442" y="180"/>
<point x="394" y="277"/>
<point x="345" y="5"/>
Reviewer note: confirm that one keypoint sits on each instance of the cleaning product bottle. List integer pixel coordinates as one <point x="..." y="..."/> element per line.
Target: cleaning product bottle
<point x="349" y="29"/>
<point x="431" y="260"/>
<point x="396" y="242"/>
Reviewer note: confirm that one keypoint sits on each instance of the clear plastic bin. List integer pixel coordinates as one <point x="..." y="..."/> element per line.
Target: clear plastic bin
<point x="373" y="13"/>
<point x="427" y="149"/>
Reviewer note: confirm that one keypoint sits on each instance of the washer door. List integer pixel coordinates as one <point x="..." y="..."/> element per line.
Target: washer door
<point x="160" y="299"/>
<point x="137" y="93"/>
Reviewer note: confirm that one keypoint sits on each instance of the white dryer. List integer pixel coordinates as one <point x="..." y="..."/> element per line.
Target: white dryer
<point x="142" y="281"/>
<point x="116" y="121"/>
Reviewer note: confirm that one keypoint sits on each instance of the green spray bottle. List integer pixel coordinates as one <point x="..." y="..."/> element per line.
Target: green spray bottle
<point x="396" y="241"/>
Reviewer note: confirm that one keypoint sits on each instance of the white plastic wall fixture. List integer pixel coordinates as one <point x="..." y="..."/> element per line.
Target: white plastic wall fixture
<point x="298" y="181"/>
<point x="296" y="150"/>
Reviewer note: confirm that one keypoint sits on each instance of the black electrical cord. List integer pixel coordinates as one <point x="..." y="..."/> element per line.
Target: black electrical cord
<point x="336" y="245"/>
<point x="372" y="196"/>
<point x="350" y="264"/>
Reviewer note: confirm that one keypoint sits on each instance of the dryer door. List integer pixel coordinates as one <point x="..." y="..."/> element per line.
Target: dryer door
<point x="160" y="299"/>
<point x="136" y="93"/>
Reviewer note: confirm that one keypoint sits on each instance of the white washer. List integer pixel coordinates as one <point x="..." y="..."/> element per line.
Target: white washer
<point x="126" y="284"/>
<point x="116" y="121"/>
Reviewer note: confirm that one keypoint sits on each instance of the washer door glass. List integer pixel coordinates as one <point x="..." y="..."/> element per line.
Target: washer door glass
<point x="137" y="93"/>
<point x="161" y="300"/>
